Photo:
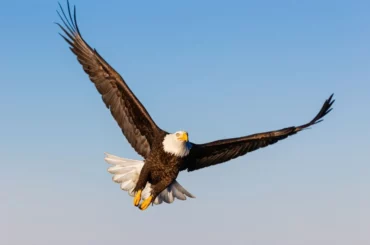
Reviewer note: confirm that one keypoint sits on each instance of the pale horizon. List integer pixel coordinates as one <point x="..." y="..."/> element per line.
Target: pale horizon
<point x="215" y="69"/>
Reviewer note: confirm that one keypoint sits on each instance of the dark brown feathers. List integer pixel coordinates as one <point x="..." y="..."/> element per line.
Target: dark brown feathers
<point x="135" y="122"/>
<point x="139" y="128"/>
<point x="220" y="151"/>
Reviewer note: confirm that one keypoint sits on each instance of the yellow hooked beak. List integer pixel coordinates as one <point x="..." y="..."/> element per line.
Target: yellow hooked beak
<point x="184" y="137"/>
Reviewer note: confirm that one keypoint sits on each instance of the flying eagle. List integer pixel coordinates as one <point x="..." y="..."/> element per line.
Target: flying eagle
<point x="153" y="180"/>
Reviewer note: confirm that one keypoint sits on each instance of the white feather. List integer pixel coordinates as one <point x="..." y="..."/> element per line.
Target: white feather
<point x="127" y="185"/>
<point x="126" y="172"/>
<point x="176" y="147"/>
<point x="146" y="192"/>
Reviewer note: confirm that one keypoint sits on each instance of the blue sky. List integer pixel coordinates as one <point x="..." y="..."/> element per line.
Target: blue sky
<point x="214" y="68"/>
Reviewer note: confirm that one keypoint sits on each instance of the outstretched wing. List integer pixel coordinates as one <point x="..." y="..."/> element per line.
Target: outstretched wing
<point x="135" y="122"/>
<point x="205" y="155"/>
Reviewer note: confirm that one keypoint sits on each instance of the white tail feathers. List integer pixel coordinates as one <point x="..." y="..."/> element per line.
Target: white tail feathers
<point x="126" y="172"/>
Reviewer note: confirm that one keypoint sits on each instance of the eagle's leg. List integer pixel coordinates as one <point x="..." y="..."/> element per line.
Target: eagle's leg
<point x="145" y="204"/>
<point x="137" y="198"/>
<point x="156" y="190"/>
<point x="140" y="185"/>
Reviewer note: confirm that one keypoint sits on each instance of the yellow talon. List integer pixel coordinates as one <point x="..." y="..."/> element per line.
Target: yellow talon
<point x="145" y="204"/>
<point x="137" y="198"/>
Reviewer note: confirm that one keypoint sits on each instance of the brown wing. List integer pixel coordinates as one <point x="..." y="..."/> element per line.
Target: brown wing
<point x="220" y="151"/>
<point x="135" y="122"/>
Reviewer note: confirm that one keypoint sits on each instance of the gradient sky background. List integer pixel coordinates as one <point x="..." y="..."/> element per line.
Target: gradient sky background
<point x="214" y="68"/>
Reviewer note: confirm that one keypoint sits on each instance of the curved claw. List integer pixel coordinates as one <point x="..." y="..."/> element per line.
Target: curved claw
<point x="137" y="198"/>
<point x="145" y="204"/>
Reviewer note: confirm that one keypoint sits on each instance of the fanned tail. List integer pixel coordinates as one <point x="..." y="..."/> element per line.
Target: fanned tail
<point x="126" y="172"/>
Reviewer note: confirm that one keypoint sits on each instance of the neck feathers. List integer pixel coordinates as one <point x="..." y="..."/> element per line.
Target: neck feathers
<point x="176" y="147"/>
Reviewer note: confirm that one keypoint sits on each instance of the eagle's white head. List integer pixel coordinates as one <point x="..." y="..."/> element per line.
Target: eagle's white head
<point x="177" y="144"/>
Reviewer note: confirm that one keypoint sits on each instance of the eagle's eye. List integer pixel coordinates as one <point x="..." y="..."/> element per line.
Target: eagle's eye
<point x="177" y="134"/>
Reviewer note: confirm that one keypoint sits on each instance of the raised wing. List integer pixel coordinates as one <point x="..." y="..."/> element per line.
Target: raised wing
<point x="131" y="116"/>
<point x="205" y="155"/>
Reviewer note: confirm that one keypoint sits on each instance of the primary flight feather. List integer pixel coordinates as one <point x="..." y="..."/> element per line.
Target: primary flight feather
<point x="153" y="180"/>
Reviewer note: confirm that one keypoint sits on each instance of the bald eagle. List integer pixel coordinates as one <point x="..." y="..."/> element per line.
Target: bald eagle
<point x="153" y="180"/>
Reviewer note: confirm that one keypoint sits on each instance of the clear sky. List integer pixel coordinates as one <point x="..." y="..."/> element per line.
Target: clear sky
<point x="214" y="68"/>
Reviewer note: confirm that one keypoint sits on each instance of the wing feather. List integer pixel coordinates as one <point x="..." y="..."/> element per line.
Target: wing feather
<point x="131" y="116"/>
<point x="205" y="155"/>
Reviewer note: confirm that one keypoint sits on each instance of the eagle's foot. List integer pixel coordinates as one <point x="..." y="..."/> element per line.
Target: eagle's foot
<point x="145" y="204"/>
<point x="137" y="198"/>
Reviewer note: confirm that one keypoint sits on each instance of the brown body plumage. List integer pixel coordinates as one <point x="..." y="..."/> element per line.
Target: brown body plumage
<point x="163" y="159"/>
<point x="160" y="169"/>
